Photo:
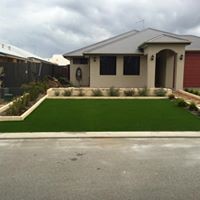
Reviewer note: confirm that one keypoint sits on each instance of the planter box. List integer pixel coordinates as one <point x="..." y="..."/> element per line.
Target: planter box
<point x="24" y="115"/>
<point x="88" y="91"/>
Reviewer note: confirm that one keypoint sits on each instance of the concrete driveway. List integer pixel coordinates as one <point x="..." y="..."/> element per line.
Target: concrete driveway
<point x="98" y="169"/>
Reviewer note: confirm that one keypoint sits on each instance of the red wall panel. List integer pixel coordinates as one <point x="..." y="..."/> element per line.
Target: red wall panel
<point x="192" y="69"/>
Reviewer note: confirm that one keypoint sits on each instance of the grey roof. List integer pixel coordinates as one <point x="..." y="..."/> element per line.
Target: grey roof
<point x="167" y="39"/>
<point x="13" y="51"/>
<point x="79" y="52"/>
<point x="195" y="42"/>
<point x="129" y="43"/>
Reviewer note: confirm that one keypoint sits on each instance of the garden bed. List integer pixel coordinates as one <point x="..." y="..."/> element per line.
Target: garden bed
<point x="106" y="115"/>
<point x="126" y="92"/>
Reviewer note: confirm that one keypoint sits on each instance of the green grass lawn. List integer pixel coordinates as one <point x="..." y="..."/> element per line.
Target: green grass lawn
<point x="106" y="115"/>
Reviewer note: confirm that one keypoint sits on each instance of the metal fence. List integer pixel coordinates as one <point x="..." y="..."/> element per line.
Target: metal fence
<point x="16" y="74"/>
<point x="13" y="75"/>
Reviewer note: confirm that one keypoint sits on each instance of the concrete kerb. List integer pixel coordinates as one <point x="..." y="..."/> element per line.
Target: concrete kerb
<point x="98" y="135"/>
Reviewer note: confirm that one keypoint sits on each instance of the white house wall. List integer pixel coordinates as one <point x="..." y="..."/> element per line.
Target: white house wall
<point x="118" y="80"/>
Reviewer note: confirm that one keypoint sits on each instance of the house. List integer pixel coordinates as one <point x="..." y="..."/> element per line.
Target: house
<point x="148" y="58"/>
<point x="18" y="66"/>
<point x="59" y="60"/>
<point x="63" y="67"/>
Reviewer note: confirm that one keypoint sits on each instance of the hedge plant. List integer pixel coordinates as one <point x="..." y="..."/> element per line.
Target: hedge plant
<point x="113" y="91"/>
<point x="171" y="96"/>
<point x="67" y="93"/>
<point x="181" y="102"/>
<point x="81" y="93"/>
<point x="129" y="92"/>
<point x="193" y="107"/>
<point x="97" y="92"/>
<point x="160" y="92"/>
<point x="143" y="92"/>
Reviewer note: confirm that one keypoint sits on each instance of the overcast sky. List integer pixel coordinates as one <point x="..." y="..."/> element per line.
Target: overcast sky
<point x="46" y="27"/>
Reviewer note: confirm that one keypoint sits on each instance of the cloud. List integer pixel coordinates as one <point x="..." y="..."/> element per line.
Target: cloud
<point x="56" y="26"/>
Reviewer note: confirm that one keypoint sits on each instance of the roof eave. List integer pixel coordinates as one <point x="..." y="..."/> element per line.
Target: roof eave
<point x="113" y="53"/>
<point x="145" y="44"/>
<point x="11" y="56"/>
<point x="192" y="50"/>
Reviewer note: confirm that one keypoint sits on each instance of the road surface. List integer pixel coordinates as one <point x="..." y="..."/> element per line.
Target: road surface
<point x="100" y="169"/>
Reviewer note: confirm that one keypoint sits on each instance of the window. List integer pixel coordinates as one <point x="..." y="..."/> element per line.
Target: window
<point x="108" y="65"/>
<point x="80" y="61"/>
<point x="131" y="65"/>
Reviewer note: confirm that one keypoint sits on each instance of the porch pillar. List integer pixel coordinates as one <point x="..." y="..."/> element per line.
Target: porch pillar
<point x="151" y="69"/>
<point x="179" y="72"/>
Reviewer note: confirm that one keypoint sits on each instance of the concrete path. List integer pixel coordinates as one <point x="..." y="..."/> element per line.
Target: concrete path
<point x="54" y="135"/>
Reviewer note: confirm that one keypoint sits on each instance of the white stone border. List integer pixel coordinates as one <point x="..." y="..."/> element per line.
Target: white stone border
<point x="106" y="97"/>
<point x="24" y="115"/>
<point x="88" y="92"/>
<point x="189" y="94"/>
<point x="5" y="107"/>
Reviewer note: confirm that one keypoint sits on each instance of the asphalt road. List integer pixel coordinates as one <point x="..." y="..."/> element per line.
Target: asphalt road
<point x="100" y="169"/>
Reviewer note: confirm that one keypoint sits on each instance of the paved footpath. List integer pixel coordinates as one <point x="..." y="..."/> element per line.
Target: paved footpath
<point x="57" y="135"/>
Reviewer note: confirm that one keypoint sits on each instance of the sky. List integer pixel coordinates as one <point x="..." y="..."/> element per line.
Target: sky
<point x="47" y="27"/>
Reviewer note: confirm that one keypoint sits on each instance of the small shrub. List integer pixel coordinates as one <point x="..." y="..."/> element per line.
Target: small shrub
<point x="18" y="106"/>
<point x="196" y="92"/>
<point x="160" y="92"/>
<point x="26" y="100"/>
<point x="193" y="91"/>
<point x="113" y="91"/>
<point x="189" y="90"/>
<point x="67" y="93"/>
<point x="130" y="92"/>
<point x="97" y="92"/>
<point x="143" y="92"/>
<point x="193" y="107"/>
<point x="70" y="84"/>
<point x="56" y="93"/>
<point x="34" y="89"/>
<point x="171" y="96"/>
<point x="81" y="93"/>
<point x="181" y="102"/>
<point x="63" y="80"/>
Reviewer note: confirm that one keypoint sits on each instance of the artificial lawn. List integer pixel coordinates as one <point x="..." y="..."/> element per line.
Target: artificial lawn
<point x="105" y="115"/>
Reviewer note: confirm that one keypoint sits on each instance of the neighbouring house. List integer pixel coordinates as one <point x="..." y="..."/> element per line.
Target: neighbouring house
<point x="18" y="67"/>
<point x="148" y="58"/>
<point x="59" y="60"/>
<point x="63" y="66"/>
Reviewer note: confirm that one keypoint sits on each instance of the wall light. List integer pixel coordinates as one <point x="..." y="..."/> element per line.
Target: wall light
<point x="181" y="57"/>
<point x="152" y="57"/>
<point x="94" y="59"/>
